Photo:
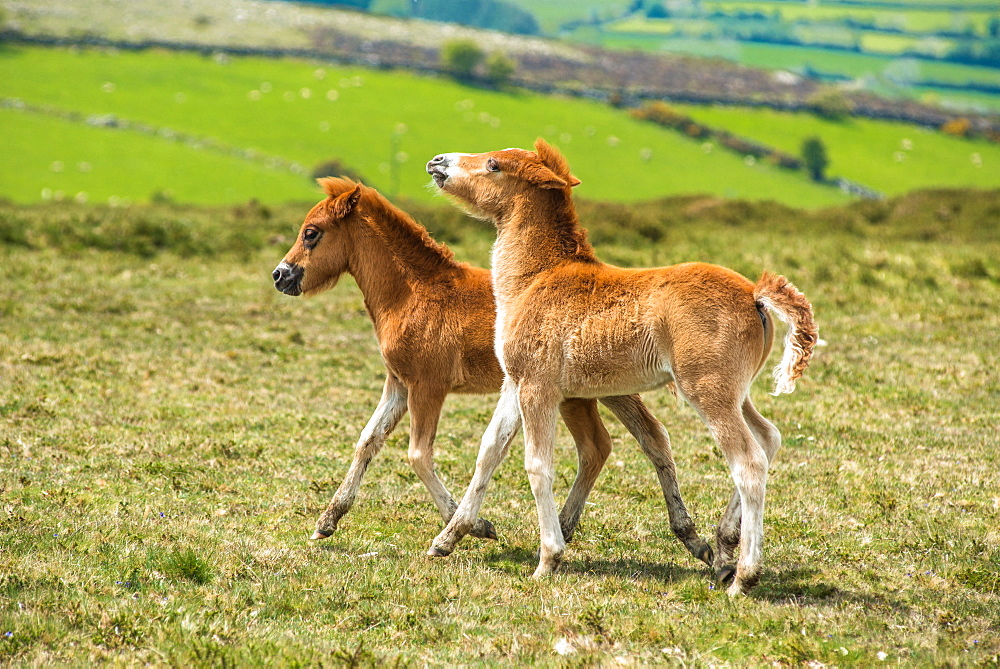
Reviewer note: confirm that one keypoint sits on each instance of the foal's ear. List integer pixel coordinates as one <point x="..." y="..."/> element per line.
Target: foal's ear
<point x="556" y="163"/>
<point x="342" y="205"/>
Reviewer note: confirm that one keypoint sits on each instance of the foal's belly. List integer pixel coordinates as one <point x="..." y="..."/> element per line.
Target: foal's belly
<point x="616" y="370"/>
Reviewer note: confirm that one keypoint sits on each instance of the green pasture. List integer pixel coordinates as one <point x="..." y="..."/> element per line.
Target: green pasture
<point x="826" y="61"/>
<point x="961" y="100"/>
<point x="551" y="14"/>
<point x="170" y="427"/>
<point x="884" y="155"/>
<point x="53" y="158"/>
<point x="373" y="121"/>
<point x="906" y="19"/>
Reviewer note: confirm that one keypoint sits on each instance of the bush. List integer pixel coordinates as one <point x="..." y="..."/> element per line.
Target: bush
<point x="335" y="168"/>
<point x="461" y="57"/>
<point x="831" y="104"/>
<point x="957" y="127"/>
<point x="499" y="69"/>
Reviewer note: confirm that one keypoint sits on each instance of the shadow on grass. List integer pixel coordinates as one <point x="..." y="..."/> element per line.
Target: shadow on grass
<point x="522" y="561"/>
<point x="804" y="586"/>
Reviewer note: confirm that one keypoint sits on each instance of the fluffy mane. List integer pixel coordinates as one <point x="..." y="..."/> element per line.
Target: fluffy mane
<point x="406" y="239"/>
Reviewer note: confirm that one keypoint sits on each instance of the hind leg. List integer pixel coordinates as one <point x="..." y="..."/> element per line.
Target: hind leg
<point x="728" y="534"/>
<point x="425" y="411"/>
<point x="655" y="443"/>
<point x="593" y="446"/>
<point x="387" y="415"/>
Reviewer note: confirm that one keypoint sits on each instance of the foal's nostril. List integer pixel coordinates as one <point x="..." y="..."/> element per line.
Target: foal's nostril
<point x="276" y="274"/>
<point x="438" y="159"/>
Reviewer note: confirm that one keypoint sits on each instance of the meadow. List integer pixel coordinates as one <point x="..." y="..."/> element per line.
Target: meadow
<point x="170" y="426"/>
<point x="307" y="113"/>
<point x="874" y="43"/>
<point x="886" y="156"/>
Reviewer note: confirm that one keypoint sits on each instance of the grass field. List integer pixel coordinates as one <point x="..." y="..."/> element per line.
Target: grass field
<point x="61" y="159"/>
<point x="911" y="20"/>
<point x="308" y="113"/>
<point x="889" y="156"/>
<point x="170" y="427"/>
<point x="819" y="25"/>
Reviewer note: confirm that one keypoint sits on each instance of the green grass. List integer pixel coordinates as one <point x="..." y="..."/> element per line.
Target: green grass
<point x="909" y="20"/>
<point x="551" y="14"/>
<point x="61" y="159"/>
<point x="295" y="119"/>
<point x="873" y="152"/>
<point x="170" y="426"/>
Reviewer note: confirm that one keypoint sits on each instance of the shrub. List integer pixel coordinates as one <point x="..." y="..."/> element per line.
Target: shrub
<point x="461" y="57"/>
<point x="499" y="69"/>
<point x="335" y="168"/>
<point x="958" y="127"/>
<point x="831" y="103"/>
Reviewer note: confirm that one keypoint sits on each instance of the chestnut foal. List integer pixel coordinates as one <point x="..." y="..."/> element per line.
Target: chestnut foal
<point x="571" y="326"/>
<point x="434" y="321"/>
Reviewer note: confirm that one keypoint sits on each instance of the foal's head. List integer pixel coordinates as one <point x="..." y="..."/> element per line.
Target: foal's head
<point x="320" y="253"/>
<point x="490" y="184"/>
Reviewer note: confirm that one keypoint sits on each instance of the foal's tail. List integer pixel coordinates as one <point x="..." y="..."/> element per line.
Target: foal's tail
<point x="777" y="294"/>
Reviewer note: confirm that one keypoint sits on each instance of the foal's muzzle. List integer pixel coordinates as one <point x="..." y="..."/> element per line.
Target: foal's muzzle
<point x="437" y="167"/>
<point x="288" y="278"/>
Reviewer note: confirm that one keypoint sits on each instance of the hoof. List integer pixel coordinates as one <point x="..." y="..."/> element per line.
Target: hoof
<point x="434" y="551"/>
<point x="705" y="554"/>
<point x="726" y="574"/>
<point x="484" y="530"/>
<point x="317" y="535"/>
<point x="735" y="590"/>
<point x="542" y="571"/>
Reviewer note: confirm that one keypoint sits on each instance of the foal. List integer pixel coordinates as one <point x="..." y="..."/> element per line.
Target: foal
<point x="433" y="319"/>
<point x="569" y="325"/>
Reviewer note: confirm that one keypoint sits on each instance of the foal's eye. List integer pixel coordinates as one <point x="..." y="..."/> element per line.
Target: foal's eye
<point x="492" y="165"/>
<point x="310" y="235"/>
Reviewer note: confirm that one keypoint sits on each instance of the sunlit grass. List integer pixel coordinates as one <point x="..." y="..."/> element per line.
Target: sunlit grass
<point x="170" y="426"/>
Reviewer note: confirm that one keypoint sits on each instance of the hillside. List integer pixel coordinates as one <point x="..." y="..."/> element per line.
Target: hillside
<point x="259" y="26"/>
<point x="89" y="122"/>
<point x="284" y="117"/>
<point x="945" y="53"/>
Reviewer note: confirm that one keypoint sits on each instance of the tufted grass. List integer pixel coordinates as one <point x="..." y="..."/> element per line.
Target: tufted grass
<point x="170" y="426"/>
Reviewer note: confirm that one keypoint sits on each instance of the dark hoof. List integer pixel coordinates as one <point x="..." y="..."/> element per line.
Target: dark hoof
<point x="705" y="554"/>
<point x="484" y="530"/>
<point x="319" y="534"/>
<point x="434" y="551"/>
<point x="726" y="574"/>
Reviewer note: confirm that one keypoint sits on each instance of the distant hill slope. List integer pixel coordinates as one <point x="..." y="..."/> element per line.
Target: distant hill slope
<point x="259" y="26"/>
<point x="155" y="123"/>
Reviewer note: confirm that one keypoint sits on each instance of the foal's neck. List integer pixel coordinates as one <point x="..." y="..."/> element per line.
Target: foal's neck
<point x="536" y="235"/>
<point x="393" y="258"/>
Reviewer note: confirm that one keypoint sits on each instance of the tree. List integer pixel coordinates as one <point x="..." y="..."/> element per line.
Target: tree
<point x="657" y="11"/>
<point x="814" y="157"/>
<point x="461" y="56"/>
